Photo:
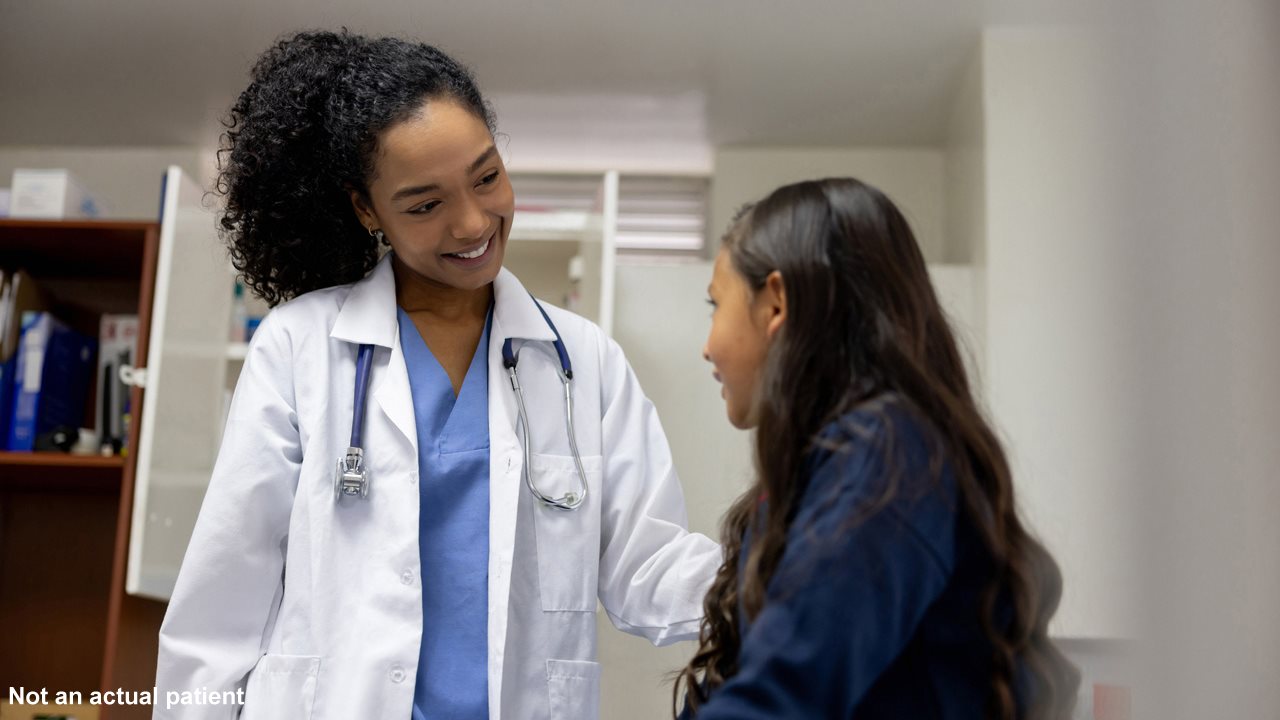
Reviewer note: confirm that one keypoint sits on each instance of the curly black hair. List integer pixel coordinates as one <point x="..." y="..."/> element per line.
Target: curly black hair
<point x="306" y="131"/>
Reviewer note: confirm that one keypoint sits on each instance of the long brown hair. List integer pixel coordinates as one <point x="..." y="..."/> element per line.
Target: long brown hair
<point x="862" y="322"/>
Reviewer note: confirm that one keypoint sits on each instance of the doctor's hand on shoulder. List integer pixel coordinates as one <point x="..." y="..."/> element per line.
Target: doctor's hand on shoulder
<point x="428" y="478"/>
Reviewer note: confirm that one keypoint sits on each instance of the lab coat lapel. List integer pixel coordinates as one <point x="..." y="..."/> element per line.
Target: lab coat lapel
<point x="515" y="316"/>
<point x="514" y="306"/>
<point x="368" y="317"/>
<point x="395" y="397"/>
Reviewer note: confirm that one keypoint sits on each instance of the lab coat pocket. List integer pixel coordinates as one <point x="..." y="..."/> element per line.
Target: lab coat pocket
<point x="573" y="688"/>
<point x="568" y="540"/>
<point x="281" y="686"/>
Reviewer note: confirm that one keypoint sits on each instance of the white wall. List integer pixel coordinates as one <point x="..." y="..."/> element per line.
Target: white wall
<point x="965" y="169"/>
<point x="912" y="177"/>
<point x="125" y="181"/>
<point x="1059" y="358"/>
<point x="1198" y="108"/>
<point x="661" y="322"/>
<point x="575" y="132"/>
<point x="966" y="207"/>
<point x="956" y="288"/>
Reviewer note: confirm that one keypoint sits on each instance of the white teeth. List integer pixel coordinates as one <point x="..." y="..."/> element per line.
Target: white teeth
<point x="474" y="253"/>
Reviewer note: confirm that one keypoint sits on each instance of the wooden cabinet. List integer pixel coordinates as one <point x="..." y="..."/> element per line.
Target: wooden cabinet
<point x="65" y="620"/>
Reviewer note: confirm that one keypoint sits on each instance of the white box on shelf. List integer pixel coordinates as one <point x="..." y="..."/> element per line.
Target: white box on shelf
<point x="49" y="195"/>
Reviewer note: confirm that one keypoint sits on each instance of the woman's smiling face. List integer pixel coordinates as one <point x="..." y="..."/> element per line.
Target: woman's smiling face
<point x="441" y="194"/>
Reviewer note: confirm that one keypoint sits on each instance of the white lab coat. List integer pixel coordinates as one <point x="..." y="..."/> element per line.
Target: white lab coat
<point x="316" y="609"/>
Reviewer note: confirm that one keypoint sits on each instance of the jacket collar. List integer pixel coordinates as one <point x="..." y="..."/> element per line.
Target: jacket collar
<point x="368" y="316"/>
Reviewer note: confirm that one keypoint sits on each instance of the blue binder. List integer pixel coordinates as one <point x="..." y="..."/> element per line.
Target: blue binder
<point x="7" y="369"/>
<point x="50" y="381"/>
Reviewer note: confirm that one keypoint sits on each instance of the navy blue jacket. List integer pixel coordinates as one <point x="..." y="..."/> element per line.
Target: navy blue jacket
<point x="870" y="619"/>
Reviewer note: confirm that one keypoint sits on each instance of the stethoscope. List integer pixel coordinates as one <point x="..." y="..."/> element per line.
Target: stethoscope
<point x="352" y="479"/>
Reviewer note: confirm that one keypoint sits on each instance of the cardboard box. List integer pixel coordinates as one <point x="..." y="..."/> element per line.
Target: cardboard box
<point x="49" y="195"/>
<point x="48" y="712"/>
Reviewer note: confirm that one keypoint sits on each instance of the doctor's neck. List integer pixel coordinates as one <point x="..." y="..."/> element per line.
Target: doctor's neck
<point x="418" y="294"/>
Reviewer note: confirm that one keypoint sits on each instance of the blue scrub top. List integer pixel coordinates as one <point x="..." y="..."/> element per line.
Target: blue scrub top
<point x="453" y="530"/>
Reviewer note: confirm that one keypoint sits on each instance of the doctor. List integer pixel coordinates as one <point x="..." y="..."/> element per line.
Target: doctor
<point x="451" y="567"/>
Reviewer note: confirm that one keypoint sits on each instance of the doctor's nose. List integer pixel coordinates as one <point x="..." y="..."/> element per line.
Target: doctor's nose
<point x="470" y="222"/>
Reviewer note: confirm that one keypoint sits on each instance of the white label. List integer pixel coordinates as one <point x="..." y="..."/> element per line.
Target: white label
<point x="34" y="365"/>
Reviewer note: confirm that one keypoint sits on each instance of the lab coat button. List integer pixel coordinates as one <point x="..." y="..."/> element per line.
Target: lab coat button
<point x="397" y="674"/>
<point x="406" y="578"/>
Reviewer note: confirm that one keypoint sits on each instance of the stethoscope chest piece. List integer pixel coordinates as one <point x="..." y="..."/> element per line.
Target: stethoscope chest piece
<point x="351" y="478"/>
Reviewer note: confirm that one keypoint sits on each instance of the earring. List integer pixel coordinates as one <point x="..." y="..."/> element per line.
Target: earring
<point x="379" y="236"/>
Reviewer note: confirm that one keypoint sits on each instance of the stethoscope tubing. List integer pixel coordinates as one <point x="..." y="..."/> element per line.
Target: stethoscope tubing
<point x="353" y="478"/>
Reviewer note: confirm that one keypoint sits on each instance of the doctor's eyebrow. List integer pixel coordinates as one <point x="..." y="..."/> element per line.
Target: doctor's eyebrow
<point x="407" y="192"/>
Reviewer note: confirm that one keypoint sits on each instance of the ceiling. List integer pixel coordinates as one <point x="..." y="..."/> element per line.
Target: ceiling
<point x="162" y="72"/>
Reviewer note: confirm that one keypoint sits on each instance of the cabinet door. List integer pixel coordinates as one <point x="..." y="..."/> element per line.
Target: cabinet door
<point x="182" y="410"/>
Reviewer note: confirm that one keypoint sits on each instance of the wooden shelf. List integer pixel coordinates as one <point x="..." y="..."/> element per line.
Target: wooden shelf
<point x="99" y="249"/>
<point x="55" y="583"/>
<point x="65" y="519"/>
<point x="62" y="460"/>
<point x="58" y="472"/>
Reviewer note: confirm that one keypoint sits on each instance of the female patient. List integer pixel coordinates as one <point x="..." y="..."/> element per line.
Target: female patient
<point x="877" y="569"/>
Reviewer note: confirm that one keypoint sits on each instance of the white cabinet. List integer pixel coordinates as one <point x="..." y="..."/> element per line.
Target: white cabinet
<point x="183" y="399"/>
<point x="563" y="241"/>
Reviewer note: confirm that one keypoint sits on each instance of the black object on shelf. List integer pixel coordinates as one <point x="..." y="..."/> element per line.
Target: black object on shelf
<point x="59" y="439"/>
